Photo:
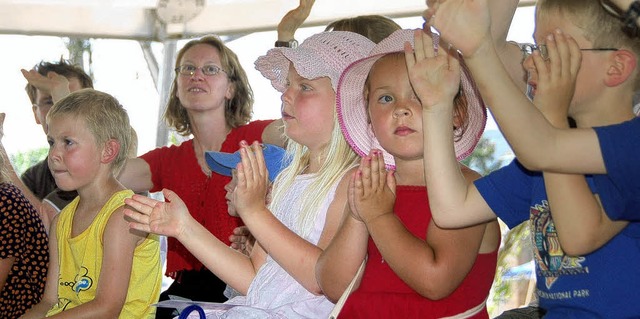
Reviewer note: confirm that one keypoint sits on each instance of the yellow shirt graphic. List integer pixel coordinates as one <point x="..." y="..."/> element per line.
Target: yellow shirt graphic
<point x="80" y="260"/>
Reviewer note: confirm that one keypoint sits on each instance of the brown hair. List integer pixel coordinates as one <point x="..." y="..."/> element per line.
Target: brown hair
<point x="374" y="27"/>
<point x="238" y="110"/>
<point x="62" y="67"/>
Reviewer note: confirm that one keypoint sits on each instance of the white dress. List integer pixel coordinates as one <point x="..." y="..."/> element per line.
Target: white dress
<point x="273" y="293"/>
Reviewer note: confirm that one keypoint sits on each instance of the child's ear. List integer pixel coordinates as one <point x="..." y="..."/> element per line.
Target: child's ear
<point x="110" y="151"/>
<point x="622" y="66"/>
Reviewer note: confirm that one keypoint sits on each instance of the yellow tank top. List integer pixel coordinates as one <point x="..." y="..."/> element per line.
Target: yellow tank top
<point x="80" y="260"/>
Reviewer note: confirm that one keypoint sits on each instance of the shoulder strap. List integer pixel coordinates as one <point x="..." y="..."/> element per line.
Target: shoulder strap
<point x="336" y="309"/>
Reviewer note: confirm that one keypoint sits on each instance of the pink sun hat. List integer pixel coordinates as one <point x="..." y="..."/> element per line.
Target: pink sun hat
<point x="352" y="106"/>
<point x="322" y="54"/>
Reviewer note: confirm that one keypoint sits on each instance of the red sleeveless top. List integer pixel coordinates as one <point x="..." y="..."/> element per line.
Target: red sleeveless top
<point x="382" y="294"/>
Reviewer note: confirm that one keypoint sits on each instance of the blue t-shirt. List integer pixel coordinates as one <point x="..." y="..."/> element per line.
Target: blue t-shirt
<point x="602" y="284"/>
<point x="620" y="146"/>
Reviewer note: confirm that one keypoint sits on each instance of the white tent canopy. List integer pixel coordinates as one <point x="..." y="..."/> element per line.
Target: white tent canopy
<point x="168" y="21"/>
<point x="157" y="20"/>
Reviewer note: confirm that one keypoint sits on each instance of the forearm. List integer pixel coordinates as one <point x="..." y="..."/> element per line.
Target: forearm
<point x="38" y="311"/>
<point x="440" y="263"/>
<point x="502" y="13"/>
<point x="293" y="253"/>
<point x="447" y="186"/>
<point x="233" y="267"/>
<point x="339" y="262"/>
<point x="511" y="109"/>
<point x="580" y="220"/>
<point x="397" y="245"/>
<point x="96" y="308"/>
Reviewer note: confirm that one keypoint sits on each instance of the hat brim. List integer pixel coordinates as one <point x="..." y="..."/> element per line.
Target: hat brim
<point x="223" y="163"/>
<point x="352" y="108"/>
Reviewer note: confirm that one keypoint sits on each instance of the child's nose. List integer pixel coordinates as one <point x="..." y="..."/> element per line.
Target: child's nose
<point x="401" y="111"/>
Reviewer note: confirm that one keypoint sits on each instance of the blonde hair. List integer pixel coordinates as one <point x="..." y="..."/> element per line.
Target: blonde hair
<point x="4" y="174"/>
<point x="105" y="118"/>
<point x="338" y="158"/>
<point x="600" y="27"/>
<point x="238" y="110"/>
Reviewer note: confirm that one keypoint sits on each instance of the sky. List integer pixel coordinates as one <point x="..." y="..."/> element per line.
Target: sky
<point x="120" y="69"/>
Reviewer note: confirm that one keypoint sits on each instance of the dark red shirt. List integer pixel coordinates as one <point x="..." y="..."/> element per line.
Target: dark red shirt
<point x="176" y="168"/>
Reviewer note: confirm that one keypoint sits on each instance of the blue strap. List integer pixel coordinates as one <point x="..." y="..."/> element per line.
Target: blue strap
<point x="186" y="311"/>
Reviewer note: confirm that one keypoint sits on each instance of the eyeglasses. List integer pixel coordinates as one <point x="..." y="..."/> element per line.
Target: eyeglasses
<point x="528" y="48"/>
<point x="190" y="70"/>
<point x="612" y="9"/>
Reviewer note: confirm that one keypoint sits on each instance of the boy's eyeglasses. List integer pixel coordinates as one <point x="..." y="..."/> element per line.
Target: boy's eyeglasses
<point x="612" y="9"/>
<point x="190" y="70"/>
<point x="528" y="48"/>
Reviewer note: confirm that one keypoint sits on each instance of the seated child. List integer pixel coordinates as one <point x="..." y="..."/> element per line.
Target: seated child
<point x="100" y="268"/>
<point x="414" y="269"/>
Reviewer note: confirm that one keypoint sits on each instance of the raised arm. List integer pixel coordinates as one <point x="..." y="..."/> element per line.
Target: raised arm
<point x="580" y="220"/>
<point x="293" y="20"/>
<point x="454" y="201"/>
<point x="466" y="24"/>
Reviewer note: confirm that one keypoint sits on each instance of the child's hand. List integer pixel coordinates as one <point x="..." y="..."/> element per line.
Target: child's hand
<point x="434" y="76"/>
<point x="372" y="189"/>
<point x="242" y="240"/>
<point x="463" y="23"/>
<point x="557" y="77"/>
<point x="294" y="19"/>
<point x="54" y="83"/>
<point x="253" y="180"/>
<point x="153" y="216"/>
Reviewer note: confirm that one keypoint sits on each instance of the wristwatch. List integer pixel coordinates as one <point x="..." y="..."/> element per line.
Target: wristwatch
<point x="287" y="44"/>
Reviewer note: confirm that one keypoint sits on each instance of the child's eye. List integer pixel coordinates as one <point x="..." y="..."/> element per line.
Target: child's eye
<point x="305" y="87"/>
<point x="68" y="141"/>
<point x="385" y="99"/>
<point x="287" y="83"/>
<point x="50" y="141"/>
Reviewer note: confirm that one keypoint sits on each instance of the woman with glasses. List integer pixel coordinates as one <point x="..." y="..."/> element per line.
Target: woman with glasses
<point x="212" y="102"/>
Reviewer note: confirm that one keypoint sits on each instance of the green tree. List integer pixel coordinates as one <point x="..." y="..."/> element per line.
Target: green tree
<point x="483" y="158"/>
<point x="24" y="160"/>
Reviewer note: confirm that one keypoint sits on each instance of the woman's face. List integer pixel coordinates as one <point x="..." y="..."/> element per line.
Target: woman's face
<point x="200" y="92"/>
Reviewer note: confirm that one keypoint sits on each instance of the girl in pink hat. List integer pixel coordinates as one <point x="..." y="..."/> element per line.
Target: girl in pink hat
<point x="413" y="269"/>
<point x="307" y="200"/>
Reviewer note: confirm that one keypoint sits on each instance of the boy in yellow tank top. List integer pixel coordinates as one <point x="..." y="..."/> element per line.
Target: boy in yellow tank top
<point x="99" y="267"/>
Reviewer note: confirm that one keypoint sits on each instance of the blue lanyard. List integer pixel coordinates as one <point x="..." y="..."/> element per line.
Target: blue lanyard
<point x="185" y="313"/>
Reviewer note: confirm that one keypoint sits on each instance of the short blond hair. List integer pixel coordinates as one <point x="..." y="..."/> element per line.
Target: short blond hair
<point x="105" y="118"/>
<point x="600" y="27"/>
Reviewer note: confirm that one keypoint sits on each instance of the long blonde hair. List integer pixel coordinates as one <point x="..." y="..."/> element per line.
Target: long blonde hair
<point x="338" y="158"/>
